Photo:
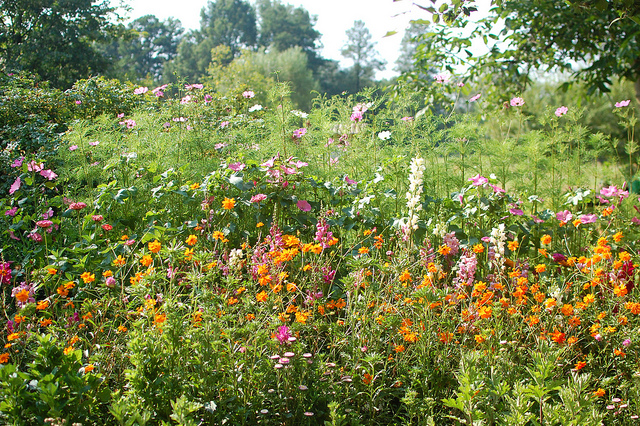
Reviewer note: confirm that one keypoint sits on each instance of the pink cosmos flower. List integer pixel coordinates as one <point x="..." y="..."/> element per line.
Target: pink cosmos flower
<point x="478" y="180"/>
<point x="129" y="123"/>
<point x="562" y="111"/>
<point x="33" y="166"/>
<point x="17" y="162"/>
<point x="304" y="205"/>
<point x="407" y="119"/>
<point x="237" y="167"/>
<point x="159" y="89"/>
<point x="299" y="133"/>
<point x="475" y="97"/>
<point x="497" y="189"/>
<point x="193" y="86"/>
<point x="141" y="90"/>
<point x="441" y="78"/>
<point x="564" y="216"/>
<point x="516" y="102"/>
<point x="187" y="99"/>
<point x="95" y="143"/>
<point x="207" y="99"/>
<point x="73" y="147"/>
<point x="224" y="124"/>
<point x="121" y="115"/>
<point x="588" y="218"/>
<point x="356" y="116"/>
<point x="248" y="94"/>
<point x="516" y="212"/>
<point x="349" y="181"/>
<point x="219" y="145"/>
<point x="78" y="102"/>
<point x="623" y="103"/>
<point x="298" y="163"/>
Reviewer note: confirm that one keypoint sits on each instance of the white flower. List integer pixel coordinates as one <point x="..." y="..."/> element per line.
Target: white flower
<point x="299" y="113"/>
<point x="256" y="107"/>
<point x="384" y="135"/>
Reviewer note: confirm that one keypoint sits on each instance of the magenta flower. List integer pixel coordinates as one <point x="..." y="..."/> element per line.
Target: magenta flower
<point x="193" y="86"/>
<point x="129" y="123"/>
<point x="475" y="97"/>
<point x="44" y="224"/>
<point x="207" y="99"/>
<point x="623" y="103"/>
<point x="237" y="167"/>
<point x="298" y="163"/>
<point x="626" y="342"/>
<point x="516" y="212"/>
<point x="516" y="102"/>
<point x="78" y="102"/>
<point x="17" y="162"/>
<point x="299" y="133"/>
<point x="588" y="218"/>
<point x="258" y="198"/>
<point x="15" y="186"/>
<point x="5" y="273"/>
<point x="564" y="216"/>
<point x="478" y="180"/>
<point x="497" y="189"/>
<point x="562" y="111"/>
<point x="270" y="162"/>
<point x="283" y="334"/>
<point x="11" y="212"/>
<point x="349" y="181"/>
<point x="304" y="205"/>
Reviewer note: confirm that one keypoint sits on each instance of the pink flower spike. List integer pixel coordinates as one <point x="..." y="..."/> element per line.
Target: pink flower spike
<point x="15" y="186"/>
<point x="623" y="103"/>
<point x="304" y="205"/>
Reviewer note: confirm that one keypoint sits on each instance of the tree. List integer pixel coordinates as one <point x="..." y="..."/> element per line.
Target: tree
<point x="229" y="23"/>
<point x="594" y="40"/>
<point x="58" y="41"/>
<point x="361" y="50"/>
<point x="148" y="45"/>
<point x="283" y="27"/>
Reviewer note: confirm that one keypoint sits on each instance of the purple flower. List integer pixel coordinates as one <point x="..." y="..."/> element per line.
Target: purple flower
<point x="516" y="102"/>
<point x="588" y="218"/>
<point x="15" y="186"/>
<point x="237" y="167"/>
<point x="283" y="334"/>
<point x="304" y="205"/>
<point x="561" y="111"/>
<point x="478" y="180"/>
<point x="623" y="103"/>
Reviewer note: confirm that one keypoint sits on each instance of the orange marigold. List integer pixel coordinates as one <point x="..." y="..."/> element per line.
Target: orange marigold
<point x="228" y="203"/>
<point x="545" y="239"/>
<point x="155" y="246"/>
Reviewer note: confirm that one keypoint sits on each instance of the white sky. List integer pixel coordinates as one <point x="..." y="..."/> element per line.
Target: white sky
<point x="334" y="17"/>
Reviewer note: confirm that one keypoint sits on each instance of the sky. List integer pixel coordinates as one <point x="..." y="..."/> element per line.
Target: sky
<point x="334" y="18"/>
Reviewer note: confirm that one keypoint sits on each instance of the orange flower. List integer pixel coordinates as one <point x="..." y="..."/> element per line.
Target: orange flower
<point x="88" y="277"/>
<point x="580" y="365"/>
<point x="146" y="260"/>
<point x="119" y="261"/>
<point x="52" y="271"/>
<point x="588" y="299"/>
<point x="228" y="203"/>
<point x="599" y="393"/>
<point x="88" y="369"/>
<point x="43" y="304"/>
<point x="513" y="245"/>
<point x="155" y="246"/>
<point x="540" y="268"/>
<point x="191" y="240"/>
<point x="4" y="358"/>
<point x="22" y="296"/>
<point x="45" y="322"/>
<point x="405" y="276"/>
<point x="363" y="250"/>
<point x="399" y="348"/>
<point x="558" y="336"/>
<point x="367" y="378"/>
<point x="68" y="350"/>
<point x="262" y="296"/>
<point x="545" y="239"/>
<point x="617" y="237"/>
<point x="444" y="250"/>
<point x="478" y="248"/>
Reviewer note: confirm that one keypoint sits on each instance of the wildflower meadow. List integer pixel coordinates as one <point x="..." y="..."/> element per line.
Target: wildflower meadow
<point x="170" y="255"/>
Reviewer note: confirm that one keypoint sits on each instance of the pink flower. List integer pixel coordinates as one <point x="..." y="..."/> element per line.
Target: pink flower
<point x="224" y="124"/>
<point x="299" y="133"/>
<point x="187" y="99"/>
<point x="248" y="94"/>
<point x="49" y="174"/>
<point x="356" y="116"/>
<point x="78" y="102"/>
<point x="561" y="111"/>
<point x="17" y="162"/>
<point x="304" y="205"/>
<point x="441" y="78"/>
<point x="497" y="189"/>
<point x="77" y="206"/>
<point x="349" y="181"/>
<point x="97" y="218"/>
<point x="270" y="162"/>
<point x="15" y="186"/>
<point x="11" y="212"/>
<point x="95" y="143"/>
<point x="626" y="342"/>
<point x="564" y="216"/>
<point x="516" y="102"/>
<point x="129" y="123"/>
<point x="121" y="115"/>
<point x="475" y="97"/>
<point x="588" y="218"/>
<point x="73" y="147"/>
<point x="207" y="99"/>
<point x="237" y="167"/>
<point x="407" y="119"/>
<point x="141" y="90"/>
<point x="44" y="224"/>
<point x="159" y="89"/>
<point x="478" y="180"/>
<point x="283" y="334"/>
<point x="193" y="86"/>
<point x="35" y="167"/>
<point x="111" y="282"/>
<point x="623" y="103"/>
<point x="258" y="198"/>
<point x="516" y="212"/>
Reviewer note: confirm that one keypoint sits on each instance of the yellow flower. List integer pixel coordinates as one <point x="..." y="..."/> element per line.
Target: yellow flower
<point x="478" y="248"/>
<point x="194" y="186"/>
<point x="188" y="254"/>
<point x="191" y="240"/>
<point x="228" y="203"/>
<point x="87" y="277"/>
<point x="52" y="271"/>
<point x="259" y="225"/>
<point x="262" y="296"/>
<point x="146" y="260"/>
<point x="546" y="239"/>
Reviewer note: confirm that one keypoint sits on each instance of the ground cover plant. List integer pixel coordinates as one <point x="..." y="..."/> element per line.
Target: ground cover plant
<point x="179" y="257"/>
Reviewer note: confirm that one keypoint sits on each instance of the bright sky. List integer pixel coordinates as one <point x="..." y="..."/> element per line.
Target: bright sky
<point x="334" y="17"/>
